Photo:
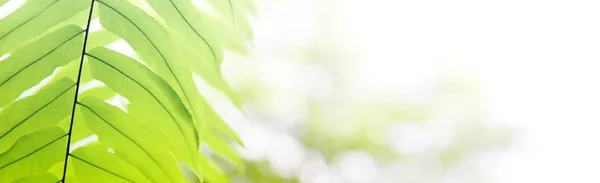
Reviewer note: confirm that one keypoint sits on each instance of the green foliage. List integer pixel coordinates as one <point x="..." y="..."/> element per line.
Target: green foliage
<point x="45" y="100"/>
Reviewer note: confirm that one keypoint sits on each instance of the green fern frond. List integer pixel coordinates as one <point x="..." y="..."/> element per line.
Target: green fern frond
<point x="56" y="124"/>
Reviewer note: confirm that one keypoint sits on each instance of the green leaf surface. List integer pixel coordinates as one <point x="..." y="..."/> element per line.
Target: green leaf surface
<point x="80" y="131"/>
<point x="148" y="93"/>
<point x="41" y="178"/>
<point x="2" y="2"/>
<point x="223" y="149"/>
<point x="48" y="107"/>
<point x="168" y="58"/>
<point x="33" y="154"/>
<point x="130" y="140"/>
<point x="236" y="12"/>
<point x="204" y="33"/>
<point x="102" y="92"/>
<point x="210" y="171"/>
<point x="142" y="33"/>
<point x="101" y="38"/>
<point x="28" y="66"/>
<point x="95" y="164"/>
<point x="34" y="18"/>
<point x="155" y="137"/>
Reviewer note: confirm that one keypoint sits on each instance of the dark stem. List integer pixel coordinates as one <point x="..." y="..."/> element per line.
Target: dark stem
<point x="87" y="32"/>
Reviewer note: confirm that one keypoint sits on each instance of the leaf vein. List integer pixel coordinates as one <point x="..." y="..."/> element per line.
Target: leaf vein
<point x="37" y="60"/>
<point x="159" y="52"/>
<point x="126" y="136"/>
<point x="195" y="31"/>
<point x="35" y="112"/>
<point x="147" y="90"/>
<point x="23" y="23"/>
<point x="91" y="164"/>
<point x="33" y="151"/>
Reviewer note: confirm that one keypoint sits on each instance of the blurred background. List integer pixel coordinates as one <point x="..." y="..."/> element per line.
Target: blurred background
<point x="428" y="91"/>
<point x="349" y="91"/>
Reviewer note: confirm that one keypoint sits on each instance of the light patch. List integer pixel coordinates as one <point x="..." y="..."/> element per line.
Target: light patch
<point x="90" y="85"/>
<point x="204" y="149"/>
<point x="34" y="89"/>
<point x="358" y="166"/>
<point x="204" y="6"/>
<point x="95" y="25"/>
<point x="328" y="178"/>
<point x="417" y="139"/>
<point x="6" y="55"/>
<point x="256" y="143"/>
<point x="110" y="150"/>
<point x="221" y="104"/>
<point x="118" y="101"/>
<point x="285" y="155"/>
<point x="187" y="171"/>
<point x="10" y="7"/>
<point x="83" y="142"/>
<point x="123" y="47"/>
<point x="223" y="163"/>
<point x="312" y="169"/>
